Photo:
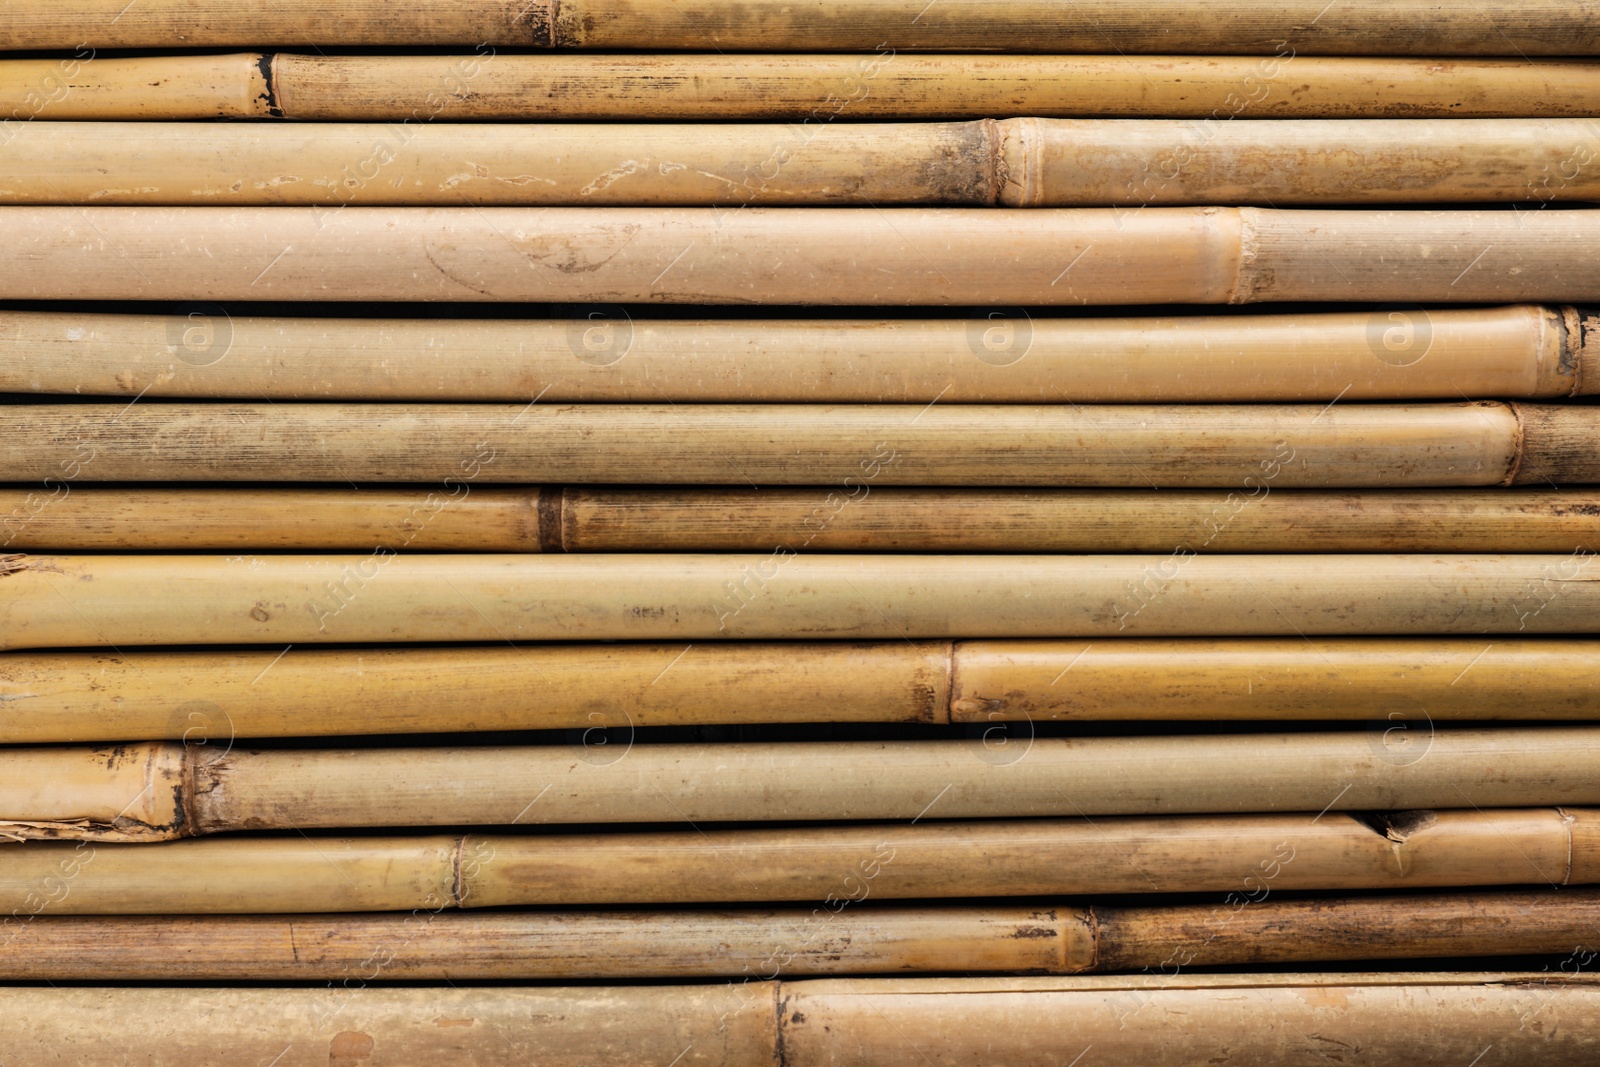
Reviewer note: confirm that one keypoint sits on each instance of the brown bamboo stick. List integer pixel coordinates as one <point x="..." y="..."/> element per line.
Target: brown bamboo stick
<point x="385" y="597"/>
<point x="879" y="256"/>
<point x="1066" y="938"/>
<point x="1250" y="449"/>
<point x="1544" y="27"/>
<point x="61" y="517"/>
<point x="835" y="865"/>
<point x="1519" y="351"/>
<point x="166" y="790"/>
<point x="813" y="89"/>
<point x="1015" y="162"/>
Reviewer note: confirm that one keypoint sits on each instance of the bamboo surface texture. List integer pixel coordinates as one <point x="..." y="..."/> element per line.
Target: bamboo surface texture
<point x="97" y="601"/>
<point x="166" y="790"/>
<point x="1364" y="27"/>
<point x="812" y="89"/>
<point x="1398" y="686"/>
<point x="1008" y="357"/>
<point x="1064" y="938"/>
<point x="300" y="874"/>
<point x="830" y="256"/>
<point x="1248" y="448"/>
<point x="1026" y="162"/>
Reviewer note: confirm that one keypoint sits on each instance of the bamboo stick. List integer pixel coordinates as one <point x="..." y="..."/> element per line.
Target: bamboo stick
<point x="97" y="601"/>
<point x="1251" y="449"/>
<point x="811" y="89"/>
<point x="187" y="791"/>
<point x="835" y="865"/>
<point x="62" y="518"/>
<point x="1518" y="351"/>
<point x="214" y="698"/>
<point x="1027" y="162"/>
<point x="865" y="939"/>
<point x="879" y="256"/>
<point x="1532" y="27"/>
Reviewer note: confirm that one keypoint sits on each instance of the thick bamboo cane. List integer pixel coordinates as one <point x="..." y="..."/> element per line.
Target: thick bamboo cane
<point x="116" y="601"/>
<point x="165" y="790"/>
<point x="62" y="518"/>
<point x="1518" y="351"/>
<point x="1400" y="686"/>
<point x="1016" y="162"/>
<point x="1366" y="27"/>
<point x="811" y="89"/>
<point x="834" y="866"/>
<point x="853" y="256"/>
<point x="1068" y="938"/>
<point x="1250" y="449"/>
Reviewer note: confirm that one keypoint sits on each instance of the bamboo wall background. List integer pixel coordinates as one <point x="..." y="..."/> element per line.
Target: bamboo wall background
<point x="834" y="532"/>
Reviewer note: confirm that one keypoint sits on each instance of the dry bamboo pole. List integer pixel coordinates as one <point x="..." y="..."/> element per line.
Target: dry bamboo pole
<point x="823" y="255"/>
<point x="1252" y="449"/>
<point x="1368" y="27"/>
<point x="813" y="89"/>
<point x="59" y="517"/>
<point x="1508" y="352"/>
<point x="1015" y="162"/>
<point x="834" y="865"/>
<point x="165" y="790"/>
<point x="1064" y="938"/>
<point x="385" y="597"/>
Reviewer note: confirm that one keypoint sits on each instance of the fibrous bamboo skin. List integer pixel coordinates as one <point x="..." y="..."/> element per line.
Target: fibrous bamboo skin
<point x="385" y="597"/>
<point x="1069" y="937"/>
<point x="958" y="256"/>
<point x="835" y="864"/>
<point x="1009" y="357"/>
<point x="1023" y="162"/>
<point x="853" y="448"/>
<point x="84" y="794"/>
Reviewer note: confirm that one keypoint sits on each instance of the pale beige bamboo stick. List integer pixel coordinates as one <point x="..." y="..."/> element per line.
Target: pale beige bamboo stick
<point x="1016" y="162"/>
<point x="823" y="255"/>
<point x="385" y="597"/>
<point x="833" y="865"/>
<point x="165" y="790"/>
<point x="1449" y="354"/>
<point x="83" y="85"/>
<point x="1251" y="449"/>
<point x="60" y="517"/>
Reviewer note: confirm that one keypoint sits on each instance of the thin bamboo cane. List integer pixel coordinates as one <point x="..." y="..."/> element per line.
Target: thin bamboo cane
<point x="97" y="601"/>
<point x="1400" y="686"/>
<point x="933" y="256"/>
<point x="1016" y="162"/>
<point x="1251" y="449"/>
<point x="1518" y="351"/>
<point x="1366" y="27"/>
<point x="863" y="939"/>
<point x="813" y="89"/>
<point x="186" y="791"/>
<point x="835" y="865"/>
<point x="59" y="517"/>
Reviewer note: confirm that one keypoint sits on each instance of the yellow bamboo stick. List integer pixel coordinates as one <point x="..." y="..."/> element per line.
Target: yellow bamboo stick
<point x="933" y="256"/>
<point x="1447" y="354"/>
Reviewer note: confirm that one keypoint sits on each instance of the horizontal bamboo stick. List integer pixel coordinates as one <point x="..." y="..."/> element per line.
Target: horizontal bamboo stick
<point x="834" y="865"/>
<point x="97" y="601"/>
<point x="1365" y="27"/>
<point x="1067" y="938"/>
<point x="1250" y="449"/>
<point x="1027" y="162"/>
<point x="60" y="517"/>
<point x="823" y="255"/>
<point x="166" y="790"/>
<point x="1399" y="686"/>
<point x="812" y="89"/>
<point x="1518" y="351"/>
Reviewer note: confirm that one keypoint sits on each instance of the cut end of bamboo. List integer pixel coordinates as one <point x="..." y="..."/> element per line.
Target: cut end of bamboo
<point x="1560" y="444"/>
